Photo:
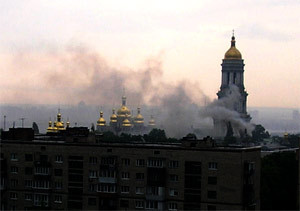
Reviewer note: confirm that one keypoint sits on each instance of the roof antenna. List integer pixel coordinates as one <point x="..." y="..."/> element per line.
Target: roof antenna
<point x="233" y="32"/>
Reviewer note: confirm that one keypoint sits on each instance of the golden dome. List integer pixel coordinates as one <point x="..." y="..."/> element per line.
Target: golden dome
<point x="126" y="122"/>
<point x="233" y="52"/>
<point x="113" y="117"/>
<point x="139" y="117"/>
<point x="60" y="125"/>
<point x="101" y="121"/>
<point x="123" y="111"/>
<point x="50" y="128"/>
<point x="152" y="121"/>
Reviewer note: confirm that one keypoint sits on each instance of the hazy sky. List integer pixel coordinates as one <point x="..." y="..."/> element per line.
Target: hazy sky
<point x="187" y="38"/>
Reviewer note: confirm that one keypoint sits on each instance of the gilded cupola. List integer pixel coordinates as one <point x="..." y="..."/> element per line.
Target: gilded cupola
<point x="139" y="119"/>
<point x="59" y="124"/>
<point x="50" y="128"/>
<point x="113" y="117"/>
<point x="233" y="52"/>
<point x="101" y="121"/>
<point x="123" y="111"/>
<point x="151" y="121"/>
<point x="126" y="122"/>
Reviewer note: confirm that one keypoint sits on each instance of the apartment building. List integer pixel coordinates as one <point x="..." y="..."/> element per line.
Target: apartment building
<point x="91" y="175"/>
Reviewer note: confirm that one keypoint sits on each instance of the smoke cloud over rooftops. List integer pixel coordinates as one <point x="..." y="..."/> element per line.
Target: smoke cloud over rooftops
<point x="76" y="74"/>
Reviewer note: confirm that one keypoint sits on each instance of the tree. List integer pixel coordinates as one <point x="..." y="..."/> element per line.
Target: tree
<point x="157" y="135"/>
<point x="259" y="133"/>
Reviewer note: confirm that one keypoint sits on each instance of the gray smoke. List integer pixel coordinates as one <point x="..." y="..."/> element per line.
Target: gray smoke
<point x="79" y="74"/>
<point x="222" y="111"/>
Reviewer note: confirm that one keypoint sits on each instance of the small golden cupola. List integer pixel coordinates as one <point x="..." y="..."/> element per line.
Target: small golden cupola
<point x="123" y="111"/>
<point x="113" y="117"/>
<point x="50" y="128"/>
<point x="152" y="121"/>
<point x="126" y="122"/>
<point x="101" y="121"/>
<point x="233" y="52"/>
<point x="59" y="124"/>
<point x="139" y="119"/>
<point x="68" y="123"/>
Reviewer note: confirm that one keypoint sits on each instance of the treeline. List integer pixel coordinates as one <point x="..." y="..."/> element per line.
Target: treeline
<point x="154" y="136"/>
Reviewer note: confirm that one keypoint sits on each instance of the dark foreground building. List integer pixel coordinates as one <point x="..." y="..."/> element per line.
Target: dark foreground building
<point x="78" y="171"/>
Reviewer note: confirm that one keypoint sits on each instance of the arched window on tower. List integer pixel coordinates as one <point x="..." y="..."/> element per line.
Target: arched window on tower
<point x="234" y="78"/>
<point x="228" y="76"/>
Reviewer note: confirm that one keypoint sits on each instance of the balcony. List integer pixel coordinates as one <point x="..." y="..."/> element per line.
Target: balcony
<point x="107" y="180"/>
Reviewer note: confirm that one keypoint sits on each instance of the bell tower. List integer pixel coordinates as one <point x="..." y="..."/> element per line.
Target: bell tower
<point x="233" y="79"/>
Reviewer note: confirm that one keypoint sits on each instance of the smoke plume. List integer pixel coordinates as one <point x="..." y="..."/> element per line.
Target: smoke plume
<point x="80" y="74"/>
<point x="222" y="111"/>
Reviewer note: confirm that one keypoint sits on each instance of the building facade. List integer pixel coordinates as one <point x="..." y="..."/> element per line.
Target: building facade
<point x="81" y="172"/>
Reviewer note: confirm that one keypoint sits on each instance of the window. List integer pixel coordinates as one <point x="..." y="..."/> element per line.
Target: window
<point x="152" y="190"/>
<point x="13" y="195"/>
<point x="211" y="194"/>
<point x="28" y="157"/>
<point x="212" y="180"/>
<point x="155" y="163"/>
<point x="108" y="173"/>
<point x="28" y="197"/>
<point x="124" y="203"/>
<point x="58" y="159"/>
<point x="107" y="188"/>
<point x="14" y="169"/>
<point x="92" y="201"/>
<point x="93" y="160"/>
<point x="139" y="176"/>
<point x="58" y="172"/>
<point x="126" y="162"/>
<point x="58" y="185"/>
<point x="140" y="162"/>
<point x="173" y="178"/>
<point x="173" y="192"/>
<point x="28" y="183"/>
<point x="172" y="206"/>
<point x="173" y="164"/>
<point x="212" y="166"/>
<point x="124" y="189"/>
<point x="28" y="170"/>
<point x="108" y="161"/>
<point x="93" y="174"/>
<point x="41" y="200"/>
<point x="41" y="184"/>
<point x="13" y="183"/>
<point x="151" y="204"/>
<point x="42" y="170"/>
<point x="139" y="190"/>
<point x="13" y="157"/>
<point x="125" y="175"/>
<point x="58" y="199"/>
<point x="139" y="204"/>
<point x="92" y="187"/>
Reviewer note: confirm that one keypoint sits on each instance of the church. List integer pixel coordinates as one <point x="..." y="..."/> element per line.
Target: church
<point x="125" y="122"/>
<point x="232" y="87"/>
